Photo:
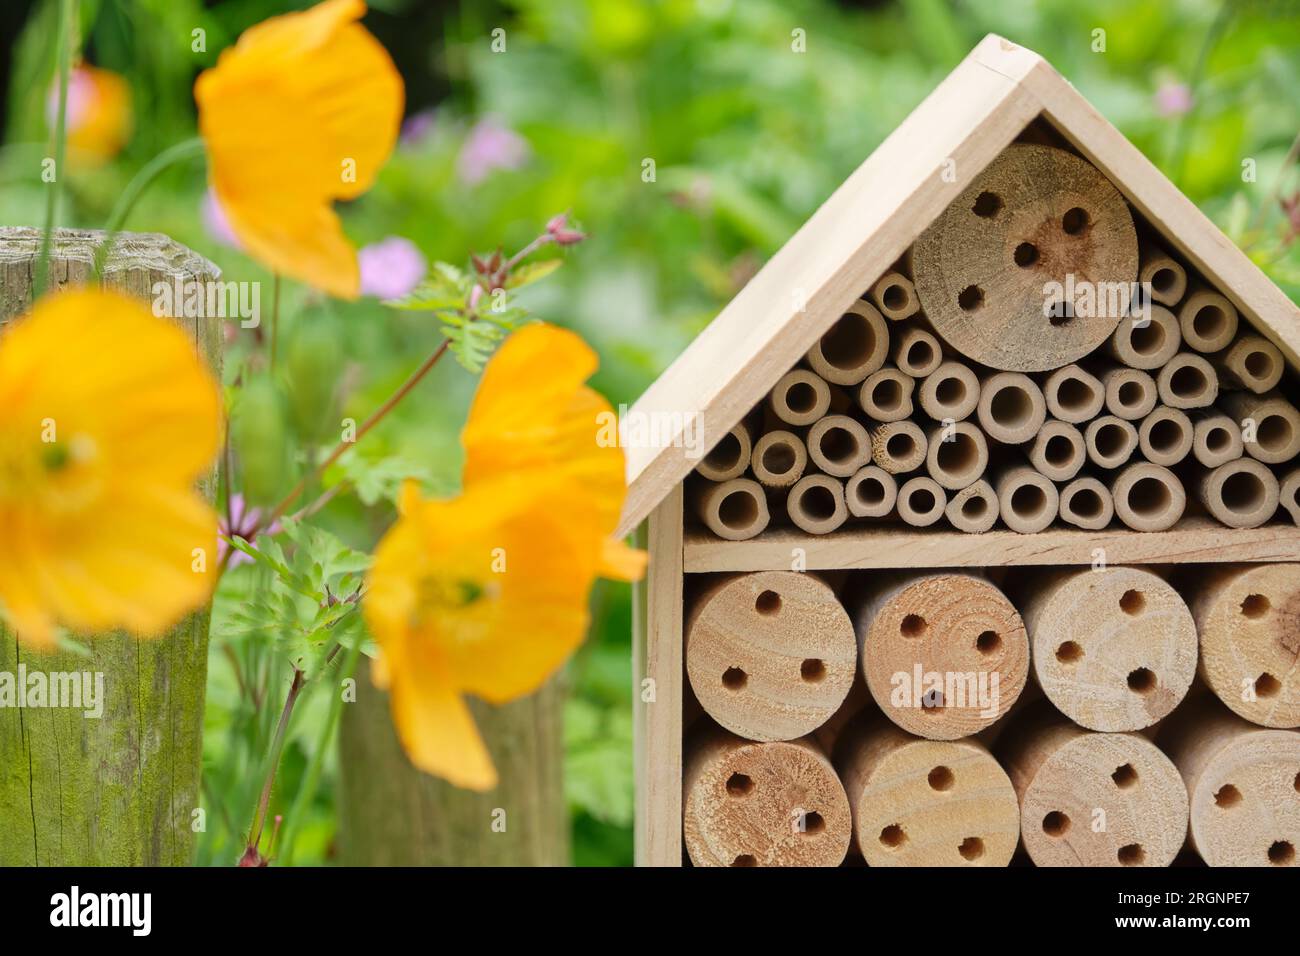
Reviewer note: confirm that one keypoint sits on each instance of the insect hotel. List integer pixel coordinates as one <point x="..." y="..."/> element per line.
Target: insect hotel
<point x="986" y="546"/>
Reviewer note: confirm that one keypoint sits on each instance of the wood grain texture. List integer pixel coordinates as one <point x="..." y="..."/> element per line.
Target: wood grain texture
<point x="119" y="790"/>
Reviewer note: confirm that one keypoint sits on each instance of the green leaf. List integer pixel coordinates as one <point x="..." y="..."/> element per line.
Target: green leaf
<point x="531" y="272"/>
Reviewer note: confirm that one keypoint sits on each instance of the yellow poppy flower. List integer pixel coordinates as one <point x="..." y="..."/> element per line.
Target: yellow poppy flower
<point x="303" y="110"/>
<point x="486" y="594"/>
<point x="107" y="418"/>
<point x="98" y="121"/>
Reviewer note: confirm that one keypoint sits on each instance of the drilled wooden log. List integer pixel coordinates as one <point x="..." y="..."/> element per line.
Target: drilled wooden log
<point x="944" y="655"/>
<point x="770" y="655"/>
<point x="918" y="802"/>
<point x="1093" y="799"/>
<point x="762" y="804"/>
<point x="120" y="789"/>
<point x="1035" y="215"/>
<point x="853" y="348"/>
<point x="1242" y="781"/>
<point x="1248" y="618"/>
<point x="1113" y="649"/>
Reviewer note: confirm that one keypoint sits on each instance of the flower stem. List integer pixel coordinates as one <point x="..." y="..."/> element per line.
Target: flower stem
<point x="273" y="760"/>
<point x="67" y="37"/>
<point x="275" y="317"/>
<point x="376" y="417"/>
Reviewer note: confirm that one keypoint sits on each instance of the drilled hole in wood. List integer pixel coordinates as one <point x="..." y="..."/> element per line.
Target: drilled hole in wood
<point x="813" y="823"/>
<point x="738" y="510"/>
<point x="1131" y="855"/>
<point x="987" y="205"/>
<point x="1056" y="824"/>
<point x="1296" y="782"/>
<point x="1074" y="221"/>
<point x="1273" y="432"/>
<point x="1266" y="685"/>
<point x="932" y="703"/>
<point x="1069" y="652"/>
<point x="1227" y="796"/>
<point x="1026" y="255"/>
<point x="913" y="626"/>
<point x="768" y="603"/>
<point x="971" y="849"/>
<point x="1125" y="776"/>
<point x="1281" y="853"/>
<point x="1141" y="681"/>
<point x="1132" y="602"/>
<point x="970" y="298"/>
<point x="1059" y="311"/>
<point x="733" y="678"/>
<point x="1255" y="606"/>
<point x="740" y="785"/>
<point x="744" y="860"/>
<point x="812" y="670"/>
<point x="893" y="836"/>
<point x="940" y="778"/>
<point x="989" y="642"/>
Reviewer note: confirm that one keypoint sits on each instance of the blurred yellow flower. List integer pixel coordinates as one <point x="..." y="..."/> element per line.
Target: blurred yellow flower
<point x="98" y="120"/>
<point x="107" y="418"/>
<point x="303" y="110"/>
<point x="486" y="594"/>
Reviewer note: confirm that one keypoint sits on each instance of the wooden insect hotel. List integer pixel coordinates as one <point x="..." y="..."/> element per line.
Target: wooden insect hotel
<point x="973" y="519"/>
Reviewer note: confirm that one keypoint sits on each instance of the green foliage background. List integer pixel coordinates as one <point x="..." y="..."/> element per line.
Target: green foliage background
<point x="746" y="136"/>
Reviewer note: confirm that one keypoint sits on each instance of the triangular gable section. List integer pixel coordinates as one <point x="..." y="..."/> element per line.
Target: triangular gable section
<point x="867" y="224"/>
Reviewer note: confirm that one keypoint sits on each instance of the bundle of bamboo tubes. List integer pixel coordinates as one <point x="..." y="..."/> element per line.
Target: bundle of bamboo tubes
<point x="957" y="392"/>
<point x="1126" y="716"/>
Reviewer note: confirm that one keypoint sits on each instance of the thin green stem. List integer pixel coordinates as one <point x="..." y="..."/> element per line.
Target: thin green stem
<point x="275" y="317"/>
<point x="151" y="170"/>
<point x="273" y="760"/>
<point x="66" y="38"/>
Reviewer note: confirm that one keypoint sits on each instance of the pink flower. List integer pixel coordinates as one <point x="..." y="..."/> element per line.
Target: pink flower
<point x="216" y="222"/>
<point x="81" y="96"/>
<point x="390" y="268"/>
<point x="1173" y="99"/>
<point x="558" y="229"/>
<point x="243" y="524"/>
<point x="490" y="146"/>
<point x="418" y="127"/>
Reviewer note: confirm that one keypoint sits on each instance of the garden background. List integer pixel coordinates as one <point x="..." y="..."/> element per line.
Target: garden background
<point x="689" y="140"/>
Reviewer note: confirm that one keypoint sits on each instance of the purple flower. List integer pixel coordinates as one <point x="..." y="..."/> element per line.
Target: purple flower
<point x="81" y="94"/>
<point x="390" y="268"/>
<point x="243" y="524"/>
<point x="216" y="222"/>
<point x="1173" y="99"/>
<point x="489" y="146"/>
<point x="418" y="127"/>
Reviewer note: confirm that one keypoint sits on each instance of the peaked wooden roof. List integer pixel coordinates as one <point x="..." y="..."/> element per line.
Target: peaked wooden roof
<point x="866" y="224"/>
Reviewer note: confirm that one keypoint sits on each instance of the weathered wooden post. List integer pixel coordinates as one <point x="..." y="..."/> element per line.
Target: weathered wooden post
<point x="123" y="788"/>
<point x="391" y="814"/>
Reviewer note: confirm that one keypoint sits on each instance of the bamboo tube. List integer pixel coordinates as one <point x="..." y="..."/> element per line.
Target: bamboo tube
<point x="1086" y="503"/>
<point x="779" y="459"/>
<point x="1208" y="321"/>
<point x="871" y="493"/>
<point x="1114" y="650"/>
<point x="917" y="802"/>
<point x="1059" y="451"/>
<point x="1011" y="408"/>
<point x="1241" y="493"/>
<point x="1252" y="362"/>
<point x="1146" y="344"/>
<point x="762" y="804"/>
<point x="1216" y="440"/>
<point x="800" y="397"/>
<point x="1242" y="782"/>
<point x="816" y="504"/>
<point x="1166" y="275"/>
<point x="1148" y="497"/>
<point x="839" y="445"/>
<point x="1165" y="436"/>
<point x="1110" y="441"/>
<point x="957" y="454"/>
<point x="1027" y="501"/>
<point x="921" y="501"/>
<point x="944" y="655"/>
<point x="1187" y="381"/>
<point x="729" y="457"/>
<point x="1035" y="214"/>
<point x="916" y="352"/>
<point x="895" y="296"/>
<point x="1289" y="495"/>
<point x="899" y="447"/>
<point x="1093" y="799"/>
<point x="886" y="395"/>
<point x="1073" y="395"/>
<point x="951" y="391"/>
<point x="735" y="510"/>
<point x="853" y="348"/>
<point x="1130" y="392"/>
<point x="1276" y="431"/>
<point x="974" y="509"/>
<point x="1248" y="618"/>
<point x="770" y="655"/>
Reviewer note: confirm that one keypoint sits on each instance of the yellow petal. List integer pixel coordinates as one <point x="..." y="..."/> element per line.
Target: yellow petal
<point x="621" y="562"/>
<point x="437" y="730"/>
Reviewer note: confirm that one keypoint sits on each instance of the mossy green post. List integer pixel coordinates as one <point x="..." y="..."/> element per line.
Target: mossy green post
<point x="122" y="789"/>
